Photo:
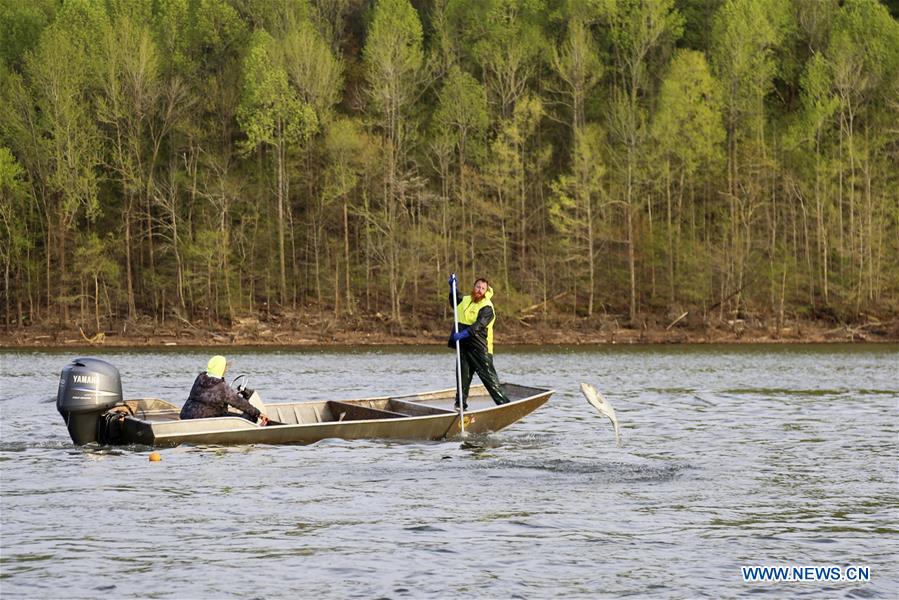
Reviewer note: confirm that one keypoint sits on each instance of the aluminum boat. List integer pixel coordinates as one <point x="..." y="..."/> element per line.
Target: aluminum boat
<point x="90" y="400"/>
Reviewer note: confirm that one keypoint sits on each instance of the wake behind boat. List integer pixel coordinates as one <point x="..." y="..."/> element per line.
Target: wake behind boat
<point x="90" y="400"/>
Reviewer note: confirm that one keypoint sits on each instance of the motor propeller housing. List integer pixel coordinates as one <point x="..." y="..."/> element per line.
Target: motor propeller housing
<point x="88" y="387"/>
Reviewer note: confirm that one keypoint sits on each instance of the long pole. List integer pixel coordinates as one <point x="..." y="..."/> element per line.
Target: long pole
<point x="458" y="360"/>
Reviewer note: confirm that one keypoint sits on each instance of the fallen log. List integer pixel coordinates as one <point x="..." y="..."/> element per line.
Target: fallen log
<point x="676" y="321"/>
<point x="534" y="307"/>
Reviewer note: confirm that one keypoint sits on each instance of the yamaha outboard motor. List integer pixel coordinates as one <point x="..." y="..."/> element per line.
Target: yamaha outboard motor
<point x="88" y="387"/>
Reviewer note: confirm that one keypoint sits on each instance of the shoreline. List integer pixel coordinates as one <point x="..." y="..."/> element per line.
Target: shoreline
<point x="252" y="334"/>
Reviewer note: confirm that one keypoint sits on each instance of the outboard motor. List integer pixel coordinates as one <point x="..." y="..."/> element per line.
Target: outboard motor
<point x="88" y="387"/>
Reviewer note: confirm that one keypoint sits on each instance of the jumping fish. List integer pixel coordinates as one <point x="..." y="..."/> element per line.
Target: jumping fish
<point x="603" y="406"/>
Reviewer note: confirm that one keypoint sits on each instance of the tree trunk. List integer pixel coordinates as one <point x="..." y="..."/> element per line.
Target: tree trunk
<point x="97" y="302"/>
<point x="81" y="296"/>
<point x="282" y="263"/>
<point x="522" y="214"/>
<point x="225" y="251"/>
<point x="632" y="269"/>
<point x="316" y="255"/>
<point x="368" y="251"/>
<point x="670" y="235"/>
<point x="346" y="258"/>
<point x="590" y="266"/>
<point x="505" y="239"/>
<point x="631" y="258"/>
<point x="6" y="292"/>
<point x="151" y="253"/>
<point x="822" y="227"/>
<point x="129" y="278"/>
<point x="63" y="292"/>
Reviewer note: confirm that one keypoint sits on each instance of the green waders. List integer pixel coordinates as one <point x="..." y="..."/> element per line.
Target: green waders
<point x="477" y="360"/>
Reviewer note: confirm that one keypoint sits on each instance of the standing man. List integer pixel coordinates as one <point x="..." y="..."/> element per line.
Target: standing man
<point x="475" y="337"/>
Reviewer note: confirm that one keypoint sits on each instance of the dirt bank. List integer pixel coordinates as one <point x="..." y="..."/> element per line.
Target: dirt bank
<point x="325" y="330"/>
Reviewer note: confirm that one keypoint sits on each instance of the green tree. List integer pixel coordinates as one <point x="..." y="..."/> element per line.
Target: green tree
<point x="637" y="30"/>
<point x="331" y="16"/>
<point x="350" y="155"/>
<point x="95" y="266"/>
<point x="578" y="66"/>
<point x="462" y="119"/>
<point x="505" y="39"/>
<point x="63" y="71"/>
<point x="689" y="135"/>
<point x="15" y="239"/>
<point x="271" y="114"/>
<point x="819" y="104"/>
<point x="136" y="113"/>
<point x="394" y="60"/>
<point x="746" y="37"/>
<point x="507" y="177"/>
<point x="317" y="76"/>
<point x="21" y="24"/>
<point x="863" y="54"/>
<point x="574" y="205"/>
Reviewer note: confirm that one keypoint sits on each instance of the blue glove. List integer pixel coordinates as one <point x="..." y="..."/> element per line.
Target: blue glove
<point x="457" y="337"/>
<point x="452" y="280"/>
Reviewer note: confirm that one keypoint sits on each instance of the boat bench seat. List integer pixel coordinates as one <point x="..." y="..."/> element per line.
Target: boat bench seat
<point x="297" y="414"/>
<point x="333" y="410"/>
<point x="414" y="409"/>
<point x="344" y="411"/>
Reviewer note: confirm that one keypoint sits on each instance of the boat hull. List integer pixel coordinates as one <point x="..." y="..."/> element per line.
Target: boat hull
<point x="427" y="416"/>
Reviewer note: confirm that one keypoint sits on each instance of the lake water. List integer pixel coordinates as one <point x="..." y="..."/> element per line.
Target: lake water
<point x="731" y="456"/>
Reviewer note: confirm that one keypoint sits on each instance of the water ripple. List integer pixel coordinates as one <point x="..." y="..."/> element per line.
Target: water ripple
<point x="733" y="456"/>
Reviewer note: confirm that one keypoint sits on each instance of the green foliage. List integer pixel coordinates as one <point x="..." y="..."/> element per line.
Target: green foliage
<point x="11" y="175"/>
<point x="506" y="40"/>
<point x="172" y="26"/>
<point x="82" y="23"/>
<point x="550" y="144"/>
<point x="863" y="51"/>
<point x="698" y="16"/>
<point x="393" y="56"/>
<point x="688" y="126"/>
<point x="506" y="170"/>
<point x="276" y="17"/>
<point x="462" y="109"/>
<point x="637" y="28"/>
<point x="93" y="257"/>
<point x="312" y="69"/>
<point x="350" y="153"/>
<point x="216" y="28"/>
<point x="818" y="102"/>
<point x="270" y="110"/>
<point x="198" y="38"/>
<point x="62" y="73"/>
<point x="21" y="24"/>
<point x="579" y="67"/>
<point x="746" y="34"/>
<point x="575" y="195"/>
<point x="14" y="200"/>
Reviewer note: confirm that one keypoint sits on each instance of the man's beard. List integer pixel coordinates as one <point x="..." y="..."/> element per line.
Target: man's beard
<point x="476" y="296"/>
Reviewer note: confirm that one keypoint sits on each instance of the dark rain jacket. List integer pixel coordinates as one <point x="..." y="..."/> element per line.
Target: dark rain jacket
<point x="211" y="396"/>
<point x="477" y="339"/>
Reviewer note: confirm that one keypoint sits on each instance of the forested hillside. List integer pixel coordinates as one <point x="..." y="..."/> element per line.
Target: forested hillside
<point x="206" y="160"/>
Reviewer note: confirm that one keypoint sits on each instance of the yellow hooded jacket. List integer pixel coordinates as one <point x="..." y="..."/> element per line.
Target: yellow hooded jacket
<point x="468" y="313"/>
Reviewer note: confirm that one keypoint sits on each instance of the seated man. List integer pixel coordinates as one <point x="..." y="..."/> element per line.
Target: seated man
<point x="210" y="396"/>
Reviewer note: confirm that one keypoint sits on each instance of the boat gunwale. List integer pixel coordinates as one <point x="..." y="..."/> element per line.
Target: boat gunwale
<point x="452" y="416"/>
